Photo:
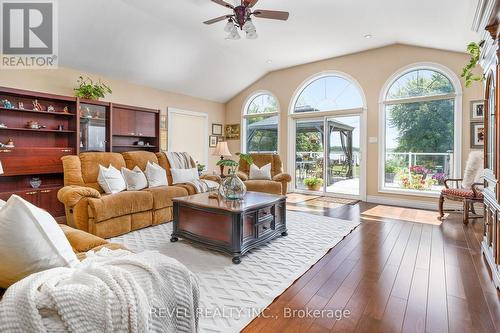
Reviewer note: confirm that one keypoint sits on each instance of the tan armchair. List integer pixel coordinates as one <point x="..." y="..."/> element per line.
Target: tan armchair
<point x="278" y="184"/>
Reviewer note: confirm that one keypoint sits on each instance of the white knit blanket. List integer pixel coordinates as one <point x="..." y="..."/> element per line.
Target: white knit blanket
<point x="110" y="291"/>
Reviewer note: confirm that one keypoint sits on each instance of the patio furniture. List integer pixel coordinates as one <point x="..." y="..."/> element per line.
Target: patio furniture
<point x="467" y="190"/>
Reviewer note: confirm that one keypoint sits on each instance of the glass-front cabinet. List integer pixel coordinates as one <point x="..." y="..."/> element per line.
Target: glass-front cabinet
<point x="490" y="245"/>
<point x="94" y="118"/>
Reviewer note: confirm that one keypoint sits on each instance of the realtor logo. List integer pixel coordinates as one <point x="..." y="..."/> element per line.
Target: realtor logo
<point x="29" y="38"/>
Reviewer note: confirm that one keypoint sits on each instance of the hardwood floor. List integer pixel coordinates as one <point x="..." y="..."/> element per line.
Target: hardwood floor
<point x="392" y="276"/>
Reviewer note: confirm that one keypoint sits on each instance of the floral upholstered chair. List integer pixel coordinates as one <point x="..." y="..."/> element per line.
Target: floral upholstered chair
<point x="468" y="190"/>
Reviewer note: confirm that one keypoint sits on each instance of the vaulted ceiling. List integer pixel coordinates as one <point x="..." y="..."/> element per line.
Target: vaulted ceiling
<point x="163" y="43"/>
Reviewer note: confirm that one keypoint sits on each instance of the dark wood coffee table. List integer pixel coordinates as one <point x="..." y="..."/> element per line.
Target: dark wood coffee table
<point x="233" y="227"/>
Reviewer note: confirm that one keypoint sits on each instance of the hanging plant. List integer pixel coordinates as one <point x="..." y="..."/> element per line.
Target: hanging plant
<point x="474" y="50"/>
<point x="89" y="90"/>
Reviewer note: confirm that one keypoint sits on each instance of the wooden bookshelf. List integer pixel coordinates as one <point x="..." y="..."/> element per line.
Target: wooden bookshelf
<point x="37" y="152"/>
<point x="86" y="126"/>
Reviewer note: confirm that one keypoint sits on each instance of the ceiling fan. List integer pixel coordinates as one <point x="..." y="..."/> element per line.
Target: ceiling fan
<point x="242" y="18"/>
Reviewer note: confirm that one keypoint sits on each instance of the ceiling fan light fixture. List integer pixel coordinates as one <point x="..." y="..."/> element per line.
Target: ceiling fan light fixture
<point x="249" y="26"/>
<point x="229" y="26"/>
<point x="252" y="34"/>
<point x="234" y="35"/>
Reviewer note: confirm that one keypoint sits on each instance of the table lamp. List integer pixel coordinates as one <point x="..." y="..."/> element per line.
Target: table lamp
<point x="222" y="150"/>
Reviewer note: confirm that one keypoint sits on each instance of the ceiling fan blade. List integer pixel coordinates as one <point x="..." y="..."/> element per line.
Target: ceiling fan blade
<point x="271" y="14"/>
<point x="223" y="3"/>
<point x="250" y="3"/>
<point x="218" y="19"/>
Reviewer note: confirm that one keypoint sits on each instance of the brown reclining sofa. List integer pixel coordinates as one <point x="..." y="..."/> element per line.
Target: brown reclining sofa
<point x="89" y="209"/>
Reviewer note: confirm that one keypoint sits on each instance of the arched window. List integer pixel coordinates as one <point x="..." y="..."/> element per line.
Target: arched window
<point x="328" y="93"/>
<point x="420" y="144"/>
<point x="261" y="123"/>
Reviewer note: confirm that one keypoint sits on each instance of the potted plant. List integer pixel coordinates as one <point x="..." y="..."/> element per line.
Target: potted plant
<point x="313" y="183"/>
<point x="200" y="167"/>
<point x="232" y="187"/>
<point x="87" y="89"/>
<point x="474" y="50"/>
<point x="391" y="168"/>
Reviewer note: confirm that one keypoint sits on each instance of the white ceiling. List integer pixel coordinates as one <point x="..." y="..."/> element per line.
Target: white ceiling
<point x="163" y="43"/>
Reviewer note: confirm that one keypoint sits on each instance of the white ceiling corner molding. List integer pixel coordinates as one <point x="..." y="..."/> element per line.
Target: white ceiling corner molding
<point x="484" y="10"/>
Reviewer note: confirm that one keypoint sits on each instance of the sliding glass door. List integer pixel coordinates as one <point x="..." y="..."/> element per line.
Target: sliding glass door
<point x="328" y="155"/>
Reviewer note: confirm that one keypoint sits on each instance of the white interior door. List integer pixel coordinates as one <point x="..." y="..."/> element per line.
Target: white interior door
<point x="188" y="132"/>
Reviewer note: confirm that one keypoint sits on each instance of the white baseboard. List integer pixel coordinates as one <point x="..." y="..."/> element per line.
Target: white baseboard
<point x="428" y="205"/>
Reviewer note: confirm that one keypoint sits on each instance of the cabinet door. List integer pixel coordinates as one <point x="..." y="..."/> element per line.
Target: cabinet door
<point x="123" y="122"/>
<point x="30" y="196"/>
<point x="48" y="201"/>
<point x="145" y="124"/>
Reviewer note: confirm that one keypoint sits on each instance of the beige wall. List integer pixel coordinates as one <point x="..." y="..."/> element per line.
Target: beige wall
<point x="371" y="69"/>
<point x="62" y="81"/>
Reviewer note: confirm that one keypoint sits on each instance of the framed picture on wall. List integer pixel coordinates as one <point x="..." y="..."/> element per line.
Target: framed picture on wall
<point x="212" y="141"/>
<point x="477" y="135"/>
<point x="217" y="129"/>
<point x="233" y="132"/>
<point x="477" y="110"/>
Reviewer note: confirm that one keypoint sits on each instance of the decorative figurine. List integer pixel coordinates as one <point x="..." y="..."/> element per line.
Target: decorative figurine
<point x="66" y="109"/>
<point x="34" y="125"/>
<point x="37" y="106"/>
<point x="2" y="125"/>
<point x="20" y="105"/>
<point x="10" y="144"/>
<point x="60" y="127"/>
<point x="7" y="104"/>
<point x="51" y="109"/>
<point x="35" y="182"/>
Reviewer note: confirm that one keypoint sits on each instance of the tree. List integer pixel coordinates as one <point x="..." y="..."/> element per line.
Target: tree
<point x="424" y="127"/>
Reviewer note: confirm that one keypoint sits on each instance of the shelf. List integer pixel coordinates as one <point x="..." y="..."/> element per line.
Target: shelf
<point x="96" y="119"/>
<point x="10" y="149"/>
<point x="39" y="112"/>
<point x="134" y="136"/>
<point x="35" y="130"/>
<point x="133" y="146"/>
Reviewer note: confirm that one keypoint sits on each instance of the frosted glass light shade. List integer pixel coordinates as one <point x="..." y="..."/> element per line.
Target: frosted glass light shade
<point x="229" y="26"/>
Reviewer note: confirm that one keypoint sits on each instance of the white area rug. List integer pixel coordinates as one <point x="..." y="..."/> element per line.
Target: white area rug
<point x="232" y="295"/>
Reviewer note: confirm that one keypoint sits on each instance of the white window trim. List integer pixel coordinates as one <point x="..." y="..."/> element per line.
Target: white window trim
<point x="320" y="115"/>
<point x="457" y="122"/>
<point x="245" y="116"/>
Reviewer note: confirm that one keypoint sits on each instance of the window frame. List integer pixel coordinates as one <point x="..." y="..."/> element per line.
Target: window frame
<point x="304" y="85"/>
<point x="245" y="116"/>
<point x="457" y="115"/>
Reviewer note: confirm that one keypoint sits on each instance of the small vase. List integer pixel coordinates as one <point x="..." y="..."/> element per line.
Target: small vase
<point x="232" y="188"/>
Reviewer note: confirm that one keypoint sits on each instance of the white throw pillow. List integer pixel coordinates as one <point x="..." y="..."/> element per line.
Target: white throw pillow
<point x="111" y="179"/>
<point x="474" y="169"/>
<point x="30" y="241"/>
<point x="180" y="176"/>
<point x="257" y="173"/>
<point x="156" y="175"/>
<point x="135" y="179"/>
<point x="2" y="203"/>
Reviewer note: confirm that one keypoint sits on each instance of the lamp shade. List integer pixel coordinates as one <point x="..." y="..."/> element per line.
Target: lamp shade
<point x="222" y="149"/>
<point x="1" y="168"/>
